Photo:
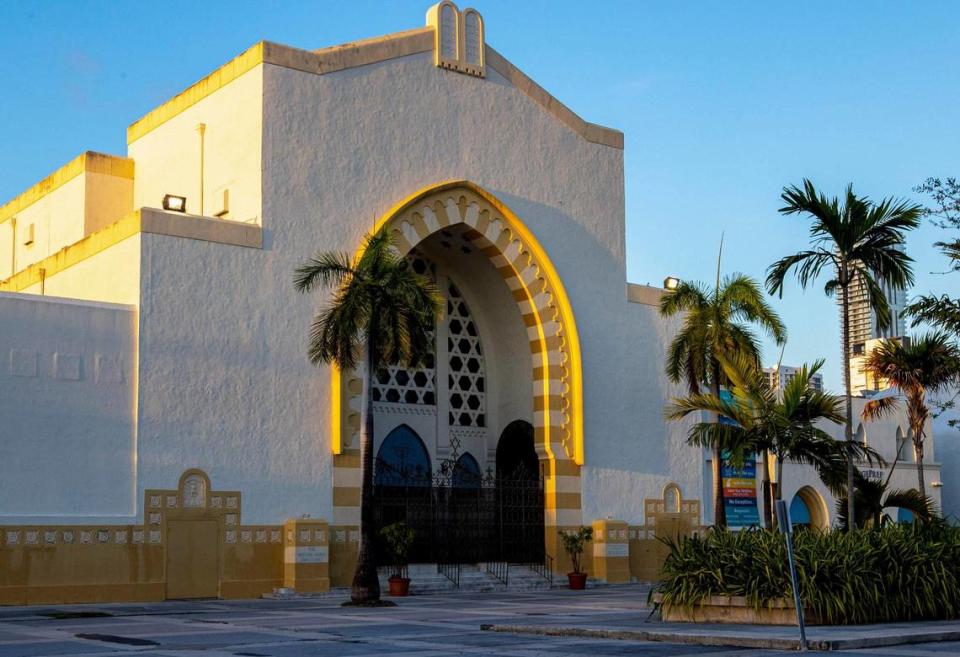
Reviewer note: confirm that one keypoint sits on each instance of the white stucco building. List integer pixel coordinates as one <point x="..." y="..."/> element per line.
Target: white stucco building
<point x="161" y="422"/>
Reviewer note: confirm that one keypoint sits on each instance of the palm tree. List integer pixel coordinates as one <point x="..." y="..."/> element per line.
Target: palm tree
<point x="381" y="310"/>
<point x="873" y="498"/>
<point x="714" y="325"/>
<point x="788" y="424"/>
<point x="861" y="244"/>
<point x="930" y="363"/>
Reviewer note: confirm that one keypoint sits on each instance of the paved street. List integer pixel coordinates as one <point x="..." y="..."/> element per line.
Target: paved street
<point x="419" y="627"/>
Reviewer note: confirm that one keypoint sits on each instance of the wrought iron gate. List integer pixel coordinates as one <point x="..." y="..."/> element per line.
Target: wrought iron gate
<point x="458" y="519"/>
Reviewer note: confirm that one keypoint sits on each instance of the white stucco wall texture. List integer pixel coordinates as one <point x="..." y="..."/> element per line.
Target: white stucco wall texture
<point x="224" y="333"/>
<point x="67" y="410"/>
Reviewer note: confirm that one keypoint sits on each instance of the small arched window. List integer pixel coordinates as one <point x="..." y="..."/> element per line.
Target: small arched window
<point x="402" y="460"/>
<point x="671" y="498"/>
<point x="466" y="472"/>
<point x="904" y="445"/>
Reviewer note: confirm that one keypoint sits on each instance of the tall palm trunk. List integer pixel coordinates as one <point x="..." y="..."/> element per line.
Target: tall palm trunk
<point x="918" y="452"/>
<point x="848" y="429"/>
<point x="918" y="408"/>
<point x="921" y="486"/>
<point x="366" y="584"/>
<point x="719" y="508"/>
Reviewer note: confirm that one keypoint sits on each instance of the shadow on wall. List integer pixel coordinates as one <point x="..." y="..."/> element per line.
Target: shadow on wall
<point x="622" y="345"/>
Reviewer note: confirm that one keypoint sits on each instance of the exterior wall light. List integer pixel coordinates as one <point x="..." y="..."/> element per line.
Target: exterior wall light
<point x="671" y="283"/>
<point x="174" y="203"/>
<point x="936" y="484"/>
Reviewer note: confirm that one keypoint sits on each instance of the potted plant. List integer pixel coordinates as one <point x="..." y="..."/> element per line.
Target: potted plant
<point x="398" y="538"/>
<point x="573" y="543"/>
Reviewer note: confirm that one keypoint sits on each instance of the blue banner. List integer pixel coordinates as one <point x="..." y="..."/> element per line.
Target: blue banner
<point x="740" y="492"/>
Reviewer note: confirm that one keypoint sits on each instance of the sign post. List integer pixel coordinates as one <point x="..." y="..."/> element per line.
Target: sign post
<point x="783" y="523"/>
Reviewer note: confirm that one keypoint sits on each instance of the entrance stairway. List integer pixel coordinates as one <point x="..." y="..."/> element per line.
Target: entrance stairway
<point x="426" y="579"/>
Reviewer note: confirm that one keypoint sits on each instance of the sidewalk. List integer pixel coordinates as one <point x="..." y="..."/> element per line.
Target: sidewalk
<point x="643" y="628"/>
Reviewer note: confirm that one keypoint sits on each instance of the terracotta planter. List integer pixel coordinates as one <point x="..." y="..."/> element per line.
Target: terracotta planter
<point x="399" y="586"/>
<point x="578" y="581"/>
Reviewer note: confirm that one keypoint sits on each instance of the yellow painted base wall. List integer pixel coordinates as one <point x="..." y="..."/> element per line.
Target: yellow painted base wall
<point x="61" y="573"/>
<point x="108" y="572"/>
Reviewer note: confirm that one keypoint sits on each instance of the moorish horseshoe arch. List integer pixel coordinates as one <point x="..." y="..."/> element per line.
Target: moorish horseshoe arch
<point x="554" y="344"/>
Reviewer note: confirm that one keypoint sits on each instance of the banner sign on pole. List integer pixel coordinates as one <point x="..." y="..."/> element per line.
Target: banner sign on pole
<point x="740" y="492"/>
<point x="739" y="484"/>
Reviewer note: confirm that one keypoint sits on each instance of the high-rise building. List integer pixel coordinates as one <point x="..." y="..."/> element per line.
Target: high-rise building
<point x="864" y="332"/>
<point x="863" y="318"/>
<point x="862" y="382"/>
<point x="779" y="377"/>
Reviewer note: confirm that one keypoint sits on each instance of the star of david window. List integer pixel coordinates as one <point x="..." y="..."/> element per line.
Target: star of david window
<point x="405" y="385"/>
<point x="466" y="375"/>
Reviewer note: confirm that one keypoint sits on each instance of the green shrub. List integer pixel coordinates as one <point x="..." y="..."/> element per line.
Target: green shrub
<point x="574" y="543"/>
<point x="398" y="538"/>
<point x="899" y="572"/>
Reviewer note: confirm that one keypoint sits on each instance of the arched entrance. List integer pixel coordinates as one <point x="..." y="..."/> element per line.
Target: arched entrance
<point x="520" y="494"/>
<point x="550" y="339"/>
<point x="808" y="510"/>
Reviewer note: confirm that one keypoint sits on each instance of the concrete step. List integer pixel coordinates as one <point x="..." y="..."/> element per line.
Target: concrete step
<point x="425" y="579"/>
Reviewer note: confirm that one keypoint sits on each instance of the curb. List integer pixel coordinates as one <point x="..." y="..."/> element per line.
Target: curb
<point x="732" y="641"/>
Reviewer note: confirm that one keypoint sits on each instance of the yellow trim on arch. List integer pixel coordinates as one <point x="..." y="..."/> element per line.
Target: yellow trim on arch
<point x="572" y="338"/>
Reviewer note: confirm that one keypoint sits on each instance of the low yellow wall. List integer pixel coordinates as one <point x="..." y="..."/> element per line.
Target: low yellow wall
<point x="38" y="565"/>
<point x="68" y="564"/>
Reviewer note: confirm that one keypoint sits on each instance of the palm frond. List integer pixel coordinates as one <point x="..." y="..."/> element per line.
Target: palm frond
<point x="876" y="409"/>
<point x="324" y="269"/>
<point x="912" y="501"/>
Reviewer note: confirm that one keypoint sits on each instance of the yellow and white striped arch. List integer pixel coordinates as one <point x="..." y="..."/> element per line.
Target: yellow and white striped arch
<point x="554" y="345"/>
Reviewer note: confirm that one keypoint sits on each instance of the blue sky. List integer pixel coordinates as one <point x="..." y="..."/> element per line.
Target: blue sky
<point x="722" y="103"/>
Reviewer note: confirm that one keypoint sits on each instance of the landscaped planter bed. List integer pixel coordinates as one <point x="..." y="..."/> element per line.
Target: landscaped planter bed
<point x="888" y="574"/>
<point x="718" y="609"/>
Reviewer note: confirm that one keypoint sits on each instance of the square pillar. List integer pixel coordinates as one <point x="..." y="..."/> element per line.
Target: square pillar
<point x="306" y="555"/>
<point x="611" y="551"/>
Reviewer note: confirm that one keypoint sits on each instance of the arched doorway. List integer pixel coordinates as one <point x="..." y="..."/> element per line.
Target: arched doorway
<point x="402" y="478"/>
<point x="519" y="492"/>
<point x="808" y="510"/>
<point x="468" y="217"/>
<point x="516" y="452"/>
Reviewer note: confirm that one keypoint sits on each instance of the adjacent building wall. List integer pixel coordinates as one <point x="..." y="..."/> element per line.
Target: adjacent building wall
<point x="68" y="435"/>
<point x="111" y="275"/>
<point x="85" y="195"/>
<point x="637" y="453"/>
<point x="169" y="155"/>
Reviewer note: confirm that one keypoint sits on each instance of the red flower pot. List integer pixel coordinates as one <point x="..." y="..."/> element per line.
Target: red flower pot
<point x="399" y="586"/>
<point x="578" y="581"/>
